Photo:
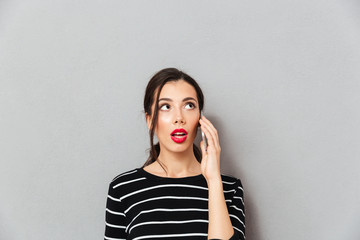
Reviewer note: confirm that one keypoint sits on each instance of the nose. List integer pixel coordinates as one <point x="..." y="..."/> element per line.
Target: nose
<point x="180" y="121"/>
<point x="179" y="118"/>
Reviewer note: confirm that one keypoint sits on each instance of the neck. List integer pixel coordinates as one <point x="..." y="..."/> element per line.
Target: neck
<point x="179" y="164"/>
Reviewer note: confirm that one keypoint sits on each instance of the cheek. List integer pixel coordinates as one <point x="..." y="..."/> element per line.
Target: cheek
<point x="164" y="121"/>
<point x="164" y="118"/>
<point x="194" y="123"/>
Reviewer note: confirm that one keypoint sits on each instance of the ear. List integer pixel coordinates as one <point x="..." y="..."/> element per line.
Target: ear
<point x="148" y="120"/>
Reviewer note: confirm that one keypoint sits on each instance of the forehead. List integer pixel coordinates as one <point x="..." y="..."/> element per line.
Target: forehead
<point x="177" y="90"/>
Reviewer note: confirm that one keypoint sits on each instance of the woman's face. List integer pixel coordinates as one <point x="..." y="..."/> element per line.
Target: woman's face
<point x="178" y="109"/>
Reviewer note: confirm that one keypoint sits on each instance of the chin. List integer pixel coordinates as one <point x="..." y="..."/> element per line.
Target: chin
<point x="178" y="148"/>
<point x="181" y="147"/>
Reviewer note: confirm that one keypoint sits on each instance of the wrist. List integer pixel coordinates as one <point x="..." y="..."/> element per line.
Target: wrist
<point x="214" y="181"/>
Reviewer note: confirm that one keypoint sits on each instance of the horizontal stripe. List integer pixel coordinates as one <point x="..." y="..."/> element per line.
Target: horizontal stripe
<point x="229" y="182"/>
<point x="115" y="213"/>
<point x="124" y="174"/>
<point x="240" y="231"/>
<point x="166" y="210"/>
<point x="171" y="235"/>
<point x="114" y="199"/>
<point x="164" y="197"/>
<point x="240" y="199"/>
<point x="168" y="222"/>
<point x="232" y="215"/>
<point x="109" y="238"/>
<point x="114" y="226"/>
<point x="161" y="186"/>
<point x="123" y="183"/>
<point x="232" y="190"/>
<point x="238" y="209"/>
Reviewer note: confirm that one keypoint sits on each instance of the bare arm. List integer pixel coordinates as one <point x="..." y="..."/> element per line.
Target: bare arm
<point x="220" y="226"/>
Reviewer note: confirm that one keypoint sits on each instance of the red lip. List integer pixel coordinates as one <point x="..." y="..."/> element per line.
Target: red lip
<point x="179" y="130"/>
<point x="179" y="139"/>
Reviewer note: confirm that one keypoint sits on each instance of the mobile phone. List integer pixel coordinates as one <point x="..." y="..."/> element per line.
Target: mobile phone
<point x="203" y="135"/>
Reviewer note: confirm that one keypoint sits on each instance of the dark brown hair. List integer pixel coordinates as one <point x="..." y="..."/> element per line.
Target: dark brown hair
<point x="155" y="85"/>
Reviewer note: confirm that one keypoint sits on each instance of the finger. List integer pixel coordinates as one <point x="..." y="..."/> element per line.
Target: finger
<point x="204" y="158"/>
<point x="210" y="139"/>
<point x="209" y="136"/>
<point x="202" y="147"/>
<point x="210" y="125"/>
<point x="212" y="129"/>
<point x="212" y="132"/>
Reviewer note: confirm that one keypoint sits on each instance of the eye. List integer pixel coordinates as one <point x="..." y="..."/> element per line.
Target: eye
<point x="191" y="104"/>
<point x="162" y="106"/>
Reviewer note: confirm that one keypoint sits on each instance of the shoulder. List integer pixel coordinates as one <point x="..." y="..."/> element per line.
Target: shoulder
<point x="230" y="178"/>
<point x="125" y="176"/>
<point x="231" y="182"/>
<point x="124" y="183"/>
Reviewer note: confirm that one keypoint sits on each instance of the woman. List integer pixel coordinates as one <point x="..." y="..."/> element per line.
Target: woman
<point x="179" y="193"/>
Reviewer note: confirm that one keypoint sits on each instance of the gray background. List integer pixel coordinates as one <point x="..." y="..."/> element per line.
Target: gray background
<point x="281" y="82"/>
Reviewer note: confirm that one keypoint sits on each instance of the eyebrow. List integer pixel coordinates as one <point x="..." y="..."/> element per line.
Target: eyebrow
<point x="169" y="99"/>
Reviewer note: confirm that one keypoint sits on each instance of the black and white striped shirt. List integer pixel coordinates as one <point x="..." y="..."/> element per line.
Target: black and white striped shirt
<point x="141" y="205"/>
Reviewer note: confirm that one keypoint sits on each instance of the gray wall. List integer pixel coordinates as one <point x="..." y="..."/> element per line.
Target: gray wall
<point x="281" y="81"/>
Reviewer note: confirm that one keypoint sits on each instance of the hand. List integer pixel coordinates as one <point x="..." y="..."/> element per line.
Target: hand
<point x="210" y="163"/>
